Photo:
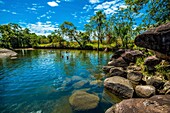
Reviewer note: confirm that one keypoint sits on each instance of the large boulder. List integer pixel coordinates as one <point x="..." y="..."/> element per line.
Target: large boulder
<point x="145" y="91"/>
<point x="157" y="39"/>
<point x="83" y="101"/>
<point x="7" y="53"/>
<point x="119" y="86"/>
<point x="155" y="104"/>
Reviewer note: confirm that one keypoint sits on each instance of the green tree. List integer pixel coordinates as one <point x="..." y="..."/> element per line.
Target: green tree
<point x="69" y="30"/>
<point x="98" y="24"/>
<point x="157" y="11"/>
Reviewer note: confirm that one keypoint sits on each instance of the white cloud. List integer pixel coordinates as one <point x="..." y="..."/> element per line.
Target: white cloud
<point x="123" y="6"/>
<point x="52" y="4"/>
<point x="42" y="28"/>
<point x="94" y="1"/>
<point x="34" y="4"/>
<point x="14" y="13"/>
<point x="44" y="15"/>
<point x="33" y="9"/>
<point x="58" y="1"/>
<point x="110" y="7"/>
<point x="88" y="7"/>
<point x="75" y="15"/>
<point x="5" y="10"/>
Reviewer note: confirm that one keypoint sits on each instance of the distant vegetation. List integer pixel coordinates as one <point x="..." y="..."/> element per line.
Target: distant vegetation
<point x="101" y="32"/>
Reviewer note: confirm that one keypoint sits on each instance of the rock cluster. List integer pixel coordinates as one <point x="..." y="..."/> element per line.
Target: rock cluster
<point x="134" y="83"/>
<point x="126" y="80"/>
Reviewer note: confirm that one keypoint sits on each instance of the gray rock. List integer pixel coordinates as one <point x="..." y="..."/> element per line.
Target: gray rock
<point x="155" y="104"/>
<point x="117" y="54"/>
<point x="7" y="53"/>
<point x="119" y="86"/>
<point x="152" y="61"/>
<point x="134" y="76"/>
<point x="117" y="71"/>
<point x="157" y="82"/>
<point x="83" y="101"/>
<point x="145" y="91"/>
<point x="120" y="62"/>
<point x="131" y="56"/>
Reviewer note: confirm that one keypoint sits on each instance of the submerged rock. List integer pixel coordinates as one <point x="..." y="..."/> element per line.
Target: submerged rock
<point x="79" y="84"/>
<point x="82" y="101"/>
<point x="155" y="104"/>
<point x="96" y="82"/>
<point x="119" y="86"/>
<point x="145" y="91"/>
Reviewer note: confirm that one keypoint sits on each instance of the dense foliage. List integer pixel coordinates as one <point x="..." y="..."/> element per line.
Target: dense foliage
<point x="117" y="30"/>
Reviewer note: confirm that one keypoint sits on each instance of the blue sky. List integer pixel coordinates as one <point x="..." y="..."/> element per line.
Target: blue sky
<point x="44" y="16"/>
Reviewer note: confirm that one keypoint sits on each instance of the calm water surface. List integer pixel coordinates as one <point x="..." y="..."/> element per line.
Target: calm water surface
<point x="41" y="81"/>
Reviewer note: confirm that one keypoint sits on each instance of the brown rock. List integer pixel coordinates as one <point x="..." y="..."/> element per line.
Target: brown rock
<point x="155" y="104"/>
<point x="131" y="56"/>
<point x="157" y="39"/>
<point x="157" y="82"/>
<point x="119" y="86"/>
<point x="117" y="71"/>
<point x="145" y="91"/>
<point x="82" y="101"/>
<point x="120" y="62"/>
<point x="152" y="61"/>
<point x="135" y="76"/>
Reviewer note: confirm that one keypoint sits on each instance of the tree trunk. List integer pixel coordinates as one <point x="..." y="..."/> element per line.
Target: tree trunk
<point x="81" y="46"/>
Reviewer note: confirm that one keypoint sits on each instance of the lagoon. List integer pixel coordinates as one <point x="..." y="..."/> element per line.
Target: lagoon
<point x="42" y="80"/>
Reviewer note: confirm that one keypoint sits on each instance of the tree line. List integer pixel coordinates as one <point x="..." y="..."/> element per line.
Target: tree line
<point x="118" y="28"/>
